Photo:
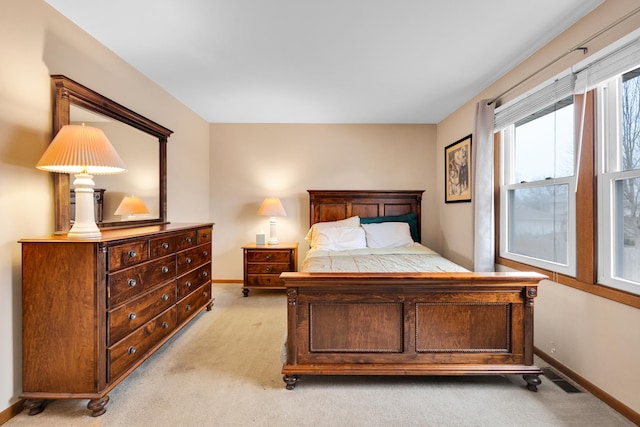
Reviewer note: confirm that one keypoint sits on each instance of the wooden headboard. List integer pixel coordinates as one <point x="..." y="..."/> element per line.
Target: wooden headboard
<point x="333" y="205"/>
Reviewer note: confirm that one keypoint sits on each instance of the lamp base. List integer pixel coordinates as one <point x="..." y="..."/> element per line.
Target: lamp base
<point x="84" y="226"/>
<point x="273" y="231"/>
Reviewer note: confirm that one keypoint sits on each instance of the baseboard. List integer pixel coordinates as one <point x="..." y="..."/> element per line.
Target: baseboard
<point x="623" y="409"/>
<point x="227" y="281"/>
<point x="11" y="412"/>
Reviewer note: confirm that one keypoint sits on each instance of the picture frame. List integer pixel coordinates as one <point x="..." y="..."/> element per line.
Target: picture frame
<point x="457" y="171"/>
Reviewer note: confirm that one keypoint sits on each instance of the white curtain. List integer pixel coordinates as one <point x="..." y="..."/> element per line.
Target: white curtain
<point x="484" y="242"/>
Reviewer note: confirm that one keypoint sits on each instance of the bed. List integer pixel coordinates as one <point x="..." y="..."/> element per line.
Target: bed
<point x="452" y="322"/>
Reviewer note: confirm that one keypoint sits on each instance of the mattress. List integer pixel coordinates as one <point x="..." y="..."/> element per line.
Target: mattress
<point x="413" y="258"/>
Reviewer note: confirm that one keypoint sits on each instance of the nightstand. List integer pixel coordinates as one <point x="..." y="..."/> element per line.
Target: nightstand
<point x="264" y="263"/>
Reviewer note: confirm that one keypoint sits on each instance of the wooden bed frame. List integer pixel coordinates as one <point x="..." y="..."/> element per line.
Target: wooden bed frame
<point x="405" y="323"/>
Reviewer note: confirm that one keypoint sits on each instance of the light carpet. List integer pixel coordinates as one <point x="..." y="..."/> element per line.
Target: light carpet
<point x="224" y="370"/>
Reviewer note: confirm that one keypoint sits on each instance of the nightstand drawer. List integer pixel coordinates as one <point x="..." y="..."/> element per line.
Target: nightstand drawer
<point x="268" y="256"/>
<point x="264" y="280"/>
<point x="267" y="268"/>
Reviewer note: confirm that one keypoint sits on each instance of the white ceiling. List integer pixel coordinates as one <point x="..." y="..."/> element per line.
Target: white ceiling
<point x="324" y="61"/>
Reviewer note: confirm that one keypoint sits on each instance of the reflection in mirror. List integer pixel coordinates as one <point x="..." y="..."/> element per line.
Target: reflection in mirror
<point x="140" y="142"/>
<point x="139" y="151"/>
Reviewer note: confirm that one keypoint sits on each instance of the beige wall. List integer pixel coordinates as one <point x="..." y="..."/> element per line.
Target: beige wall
<point x="35" y="41"/>
<point x="252" y="161"/>
<point x="597" y="338"/>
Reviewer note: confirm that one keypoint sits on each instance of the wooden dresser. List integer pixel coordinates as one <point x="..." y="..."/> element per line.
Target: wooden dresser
<point x="95" y="309"/>
<point x="264" y="263"/>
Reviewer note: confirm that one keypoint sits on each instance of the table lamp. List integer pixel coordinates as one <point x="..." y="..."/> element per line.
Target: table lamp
<point x="83" y="151"/>
<point x="130" y="207"/>
<point x="272" y="207"/>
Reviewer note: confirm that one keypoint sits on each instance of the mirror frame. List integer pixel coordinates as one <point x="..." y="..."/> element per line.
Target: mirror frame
<point x="67" y="92"/>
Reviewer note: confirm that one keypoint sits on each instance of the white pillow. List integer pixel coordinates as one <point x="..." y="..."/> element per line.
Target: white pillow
<point x="311" y="236"/>
<point x="388" y="234"/>
<point x="340" y="238"/>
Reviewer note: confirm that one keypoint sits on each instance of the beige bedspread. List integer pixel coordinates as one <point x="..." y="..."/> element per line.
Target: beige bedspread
<point x="414" y="258"/>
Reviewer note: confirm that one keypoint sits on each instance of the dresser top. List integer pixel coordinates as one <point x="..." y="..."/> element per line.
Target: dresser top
<point x="113" y="234"/>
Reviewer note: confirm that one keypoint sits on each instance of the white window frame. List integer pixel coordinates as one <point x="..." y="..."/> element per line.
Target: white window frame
<point x="507" y="184"/>
<point x="608" y="134"/>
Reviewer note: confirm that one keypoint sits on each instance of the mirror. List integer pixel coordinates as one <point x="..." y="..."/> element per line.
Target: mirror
<point x="139" y="141"/>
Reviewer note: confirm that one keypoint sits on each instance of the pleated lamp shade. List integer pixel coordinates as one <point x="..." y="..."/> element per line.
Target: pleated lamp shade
<point x="81" y="149"/>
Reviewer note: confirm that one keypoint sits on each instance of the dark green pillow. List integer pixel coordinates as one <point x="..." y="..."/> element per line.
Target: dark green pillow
<point x="411" y="219"/>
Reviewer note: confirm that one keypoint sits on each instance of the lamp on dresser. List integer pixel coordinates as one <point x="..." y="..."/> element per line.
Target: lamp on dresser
<point x="272" y="207"/>
<point x="84" y="151"/>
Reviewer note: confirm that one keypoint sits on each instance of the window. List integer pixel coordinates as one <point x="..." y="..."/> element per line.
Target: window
<point x="619" y="181"/>
<point x="537" y="213"/>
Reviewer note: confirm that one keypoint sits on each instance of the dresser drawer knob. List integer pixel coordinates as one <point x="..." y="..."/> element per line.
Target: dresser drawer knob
<point x="165" y="245"/>
<point x="205" y="253"/>
<point x="205" y="235"/>
<point x="188" y="239"/>
<point x="132" y="254"/>
<point x="205" y="294"/>
<point x="165" y="325"/>
<point x="132" y="316"/>
<point x="132" y="350"/>
<point x="188" y="284"/>
<point x="188" y="260"/>
<point x="165" y="269"/>
<point x="268" y="269"/>
<point x="187" y="307"/>
<point x="268" y="256"/>
<point x="165" y="297"/>
<point x="205" y="273"/>
<point x="132" y="282"/>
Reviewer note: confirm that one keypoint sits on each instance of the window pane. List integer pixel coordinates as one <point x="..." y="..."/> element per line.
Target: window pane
<point x="544" y="144"/>
<point x="627" y="233"/>
<point x="538" y="219"/>
<point x="630" y="150"/>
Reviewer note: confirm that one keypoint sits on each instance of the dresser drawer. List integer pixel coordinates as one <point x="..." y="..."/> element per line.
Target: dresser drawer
<point x="192" y="280"/>
<point x="138" y="311"/>
<point x="268" y="256"/>
<point x="133" y="281"/>
<point x="134" y="347"/>
<point x="192" y="258"/>
<point x="267" y="268"/>
<point x="264" y="280"/>
<point x="194" y="302"/>
<point x="204" y="235"/>
<point x="126" y="255"/>
<point x="172" y="243"/>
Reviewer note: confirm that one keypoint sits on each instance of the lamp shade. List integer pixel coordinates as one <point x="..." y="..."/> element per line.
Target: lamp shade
<point x="81" y="149"/>
<point x="271" y="206"/>
<point x="131" y="205"/>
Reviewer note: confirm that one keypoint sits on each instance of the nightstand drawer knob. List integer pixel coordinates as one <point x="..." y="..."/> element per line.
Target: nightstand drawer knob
<point x="132" y="254"/>
<point x="165" y="269"/>
<point x="268" y="269"/>
<point x="268" y="256"/>
<point x="165" y="245"/>
<point x="165" y="297"/>
<point x="205" y="235"/>
<point x="188" y="239"/>
<point x="132" y="316"/>
<point x="132" y="350"/>
<point x="132" y="282"/>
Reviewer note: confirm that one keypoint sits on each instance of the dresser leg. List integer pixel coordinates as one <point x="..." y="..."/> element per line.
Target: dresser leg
<point x="35" y="406"/>
<point x="245" y="292"/>
<point x="533" y="381"/>
<point x="97" y="406"/>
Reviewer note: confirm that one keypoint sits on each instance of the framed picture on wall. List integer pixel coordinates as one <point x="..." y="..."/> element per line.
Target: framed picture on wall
<point x="457" y="169"/>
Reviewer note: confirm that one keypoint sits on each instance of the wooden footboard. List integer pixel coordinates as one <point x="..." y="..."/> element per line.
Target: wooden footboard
<point x="410" y="324"/>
